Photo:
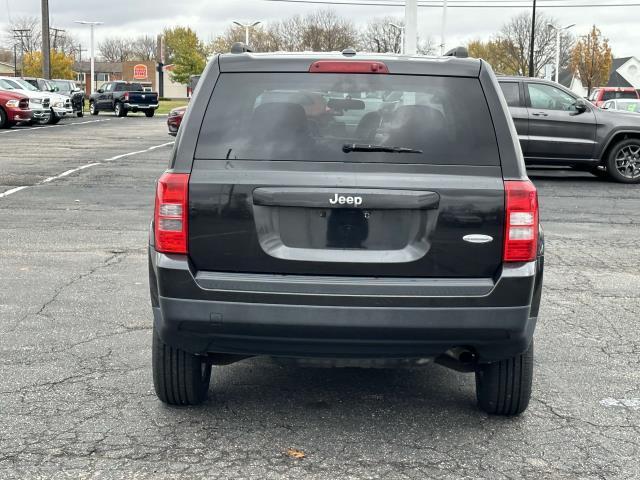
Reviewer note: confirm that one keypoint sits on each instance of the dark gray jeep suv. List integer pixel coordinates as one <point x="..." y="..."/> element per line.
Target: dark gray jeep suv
<point x="346" y="208"/>
<point x="556" y="127"/>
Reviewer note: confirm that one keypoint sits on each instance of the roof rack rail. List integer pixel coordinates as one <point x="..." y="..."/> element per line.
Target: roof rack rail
<point x="458" y="52"/>
<point x="240" y="47"/>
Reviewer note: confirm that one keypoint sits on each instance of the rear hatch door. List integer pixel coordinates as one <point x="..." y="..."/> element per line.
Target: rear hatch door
<point x="295" y="174"/>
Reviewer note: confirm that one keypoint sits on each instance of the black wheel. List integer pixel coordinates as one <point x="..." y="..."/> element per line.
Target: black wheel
<point x="150" y="113"/>
<point x="179" y="378"/>
<point x="504" y="388"/>
<point x="119" y="110"/>
<point x="93" y="110"/>
<point x="623" y="163"/>
<point x="52" y="118"/>
<point x="4" y="120"/>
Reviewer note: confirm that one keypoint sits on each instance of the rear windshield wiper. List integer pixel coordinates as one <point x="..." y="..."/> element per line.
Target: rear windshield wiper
<point x="363" y="147"/>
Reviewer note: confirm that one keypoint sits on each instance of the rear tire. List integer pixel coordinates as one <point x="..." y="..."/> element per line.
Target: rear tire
<point x="179" y="378"/>
<point x="93" y="110"/>
<point x="150" y="113"/>
<point x="623" y="163"/>
<point x="119" y="110"/>
<point x="504" y="388"/>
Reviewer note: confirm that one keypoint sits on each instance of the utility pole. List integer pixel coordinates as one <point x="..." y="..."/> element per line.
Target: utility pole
<point x="19" y="33"/>
<point x="15" y="58"/>
<point x="55" y="36"/>
<point x="411" y="27"/>
<point x="532" y="40"/>
<point x="46" y="49"/>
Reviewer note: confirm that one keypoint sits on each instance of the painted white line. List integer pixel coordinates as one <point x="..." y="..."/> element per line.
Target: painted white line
<point x="83" y="167"/>
<point x="13" y="190"/>
<point x="632" y="403"/>
<point x="55" y="126"/>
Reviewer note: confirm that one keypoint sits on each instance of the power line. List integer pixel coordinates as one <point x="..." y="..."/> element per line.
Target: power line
<point x="457" y="4"/>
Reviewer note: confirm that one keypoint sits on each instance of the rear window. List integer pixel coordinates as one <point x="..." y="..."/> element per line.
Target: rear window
<point x="612" y="95"/>
<point x="312" y="117"/>
<point x="128" y="87"/>
<point x="511" y="91"/>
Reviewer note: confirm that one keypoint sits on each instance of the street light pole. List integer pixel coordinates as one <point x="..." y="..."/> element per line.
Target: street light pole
<point x="444" y="28"/>
<point x="558" y="30"/>
<point x="246" y="27"/>
<point x="92" y="51"/>
<point x="401" y="28"/>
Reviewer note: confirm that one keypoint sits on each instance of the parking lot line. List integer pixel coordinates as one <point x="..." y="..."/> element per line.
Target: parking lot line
<point x="83" y="167"/>
<point x="55" y="126"/>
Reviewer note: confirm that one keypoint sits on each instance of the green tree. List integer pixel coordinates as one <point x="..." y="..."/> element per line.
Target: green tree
<point x="592" y="59"/>
<point x="61" y="65"/>
<point x="186" y="52"/>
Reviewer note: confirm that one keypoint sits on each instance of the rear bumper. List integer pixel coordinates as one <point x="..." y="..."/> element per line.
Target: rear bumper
<point x="139" y="106"/>
<point x="297" y="316"/>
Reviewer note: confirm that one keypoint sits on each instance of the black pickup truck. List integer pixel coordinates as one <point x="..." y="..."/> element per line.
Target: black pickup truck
<point x="123" y="97"/>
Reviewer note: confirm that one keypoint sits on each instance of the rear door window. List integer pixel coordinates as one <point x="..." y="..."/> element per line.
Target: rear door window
<point x="511" y="91"/>
<point x="315" y="117"/>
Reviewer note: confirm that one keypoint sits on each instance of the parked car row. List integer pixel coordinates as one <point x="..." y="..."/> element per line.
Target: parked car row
<point x="49" y="101"/>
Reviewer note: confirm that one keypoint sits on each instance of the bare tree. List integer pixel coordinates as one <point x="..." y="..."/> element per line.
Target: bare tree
<point x="29" y="38"/>
<point x="515" y="38"/>
<point x="325" y="31"/>
<point x="143" y="48"/>
<point x="116" y="49"/>
<point x="380" y="36"/>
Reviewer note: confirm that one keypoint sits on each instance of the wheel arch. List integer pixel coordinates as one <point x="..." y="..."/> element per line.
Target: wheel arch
<point x="615" y="139"/>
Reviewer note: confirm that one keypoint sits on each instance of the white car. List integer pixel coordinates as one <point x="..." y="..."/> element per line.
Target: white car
<point x="60" y="105"/>
<point x="39" y="102"/>
<point x="623" y="105"/>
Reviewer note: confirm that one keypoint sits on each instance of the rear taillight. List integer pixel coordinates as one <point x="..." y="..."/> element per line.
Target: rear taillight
<point x="521" y="224"/>
<point x="348" y="66"/>
<point x="171" y="214"/>
<point x="125" y="97"/>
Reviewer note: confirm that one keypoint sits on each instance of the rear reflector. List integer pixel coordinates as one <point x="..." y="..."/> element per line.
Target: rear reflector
<point x="348" y="66"/>
<point x="521" y="223"/>
<point x="171" y="213"/>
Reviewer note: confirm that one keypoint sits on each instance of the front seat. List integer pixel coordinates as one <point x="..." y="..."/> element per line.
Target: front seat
<point x="418" y="126"/>
<point x="280" y="130"/>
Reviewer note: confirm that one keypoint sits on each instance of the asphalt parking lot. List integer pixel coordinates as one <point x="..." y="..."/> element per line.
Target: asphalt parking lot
<point x="76" y="397"/>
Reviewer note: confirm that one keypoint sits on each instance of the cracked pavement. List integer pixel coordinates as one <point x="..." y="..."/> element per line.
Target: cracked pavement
<point x="76" y="396"/>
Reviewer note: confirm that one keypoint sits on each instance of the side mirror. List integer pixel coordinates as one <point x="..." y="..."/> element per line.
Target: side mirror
<point x="580" y="106"/>
<point x="100" y="90"/>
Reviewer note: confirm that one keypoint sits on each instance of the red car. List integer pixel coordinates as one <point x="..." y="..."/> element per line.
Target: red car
<point x="603" y="94"/>
<point x="175" y="119"/>
<point x="14" y="108"/>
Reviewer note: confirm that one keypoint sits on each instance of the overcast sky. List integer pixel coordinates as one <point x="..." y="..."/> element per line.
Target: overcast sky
<point x="210" y="17"/>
